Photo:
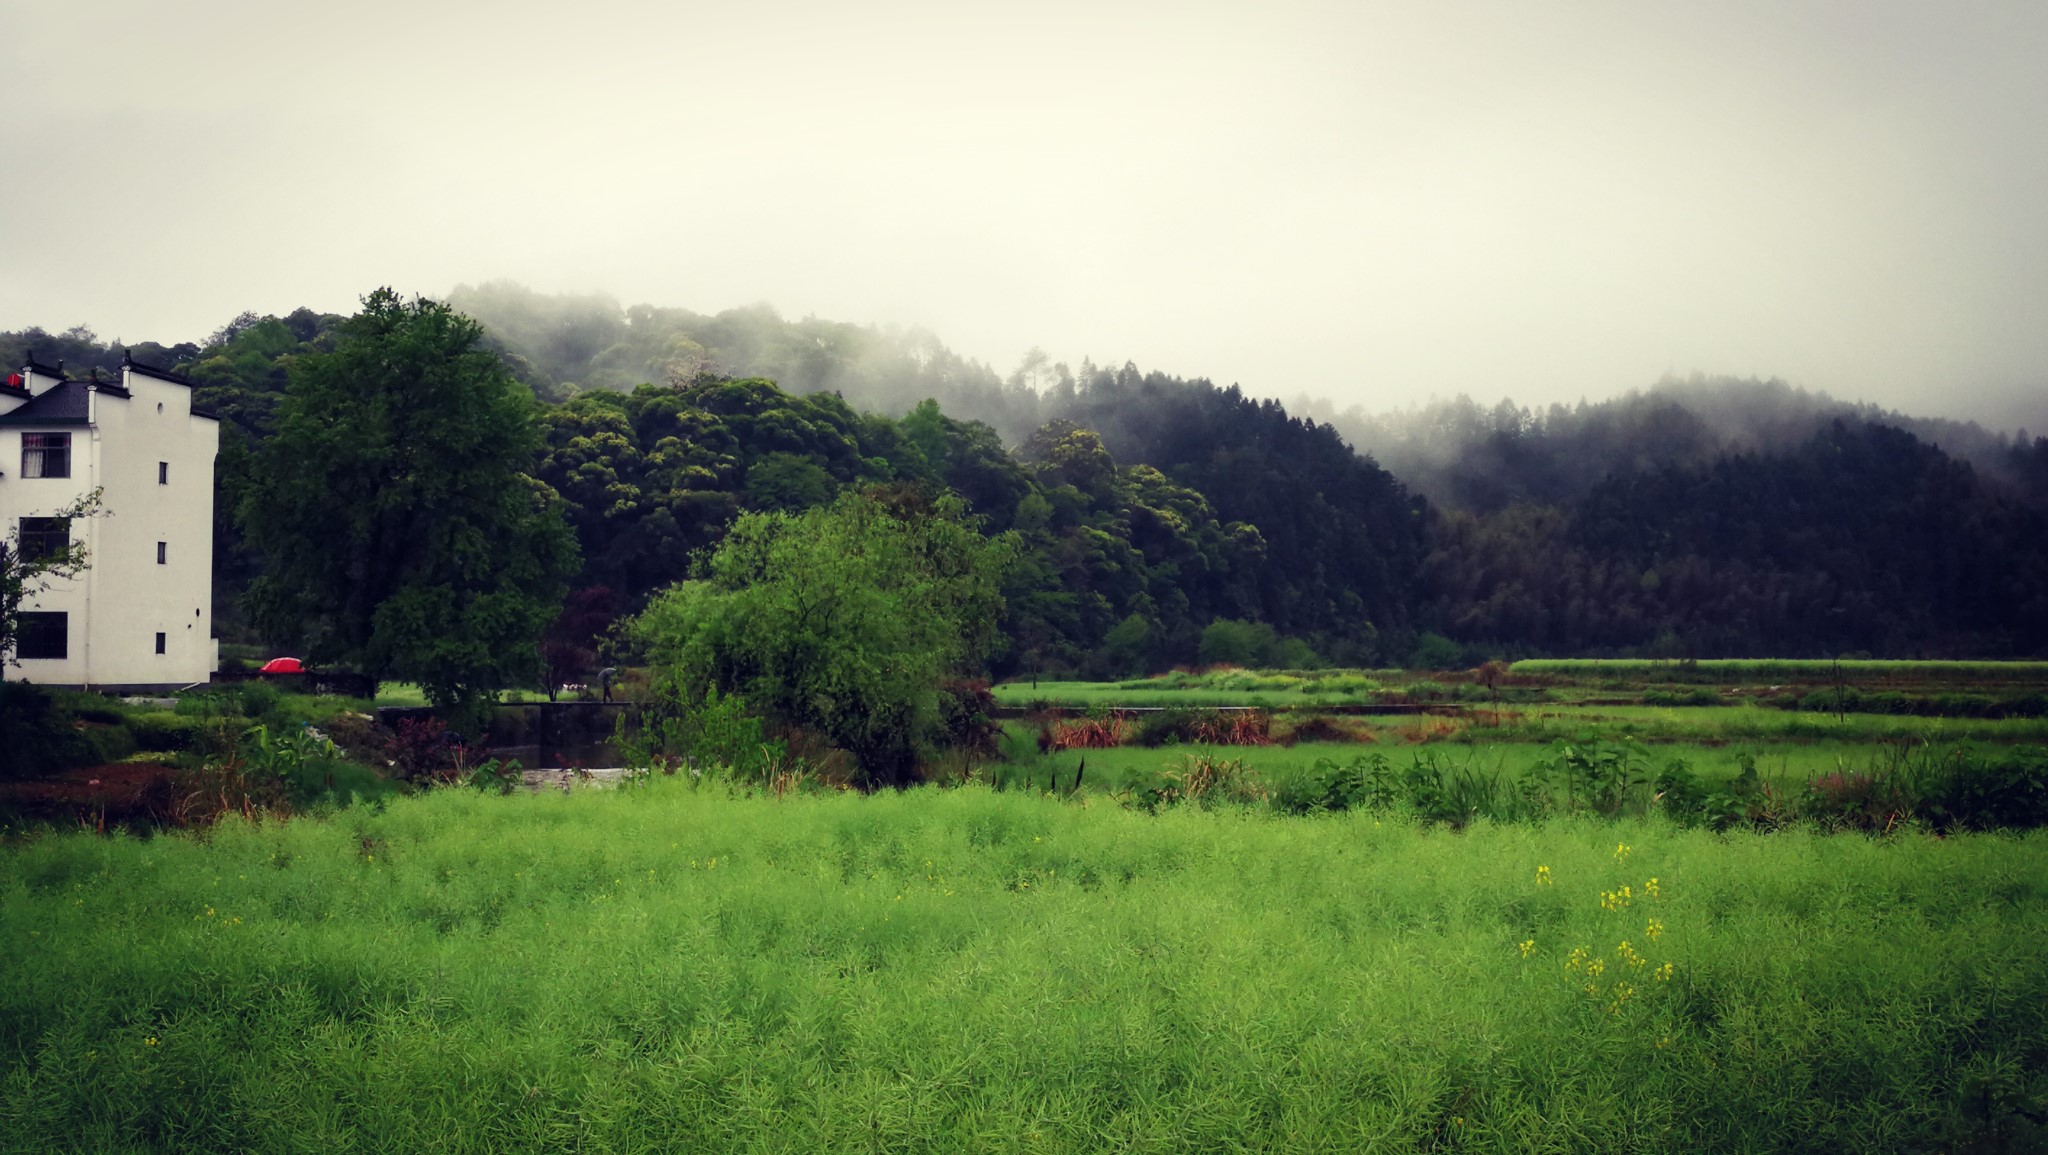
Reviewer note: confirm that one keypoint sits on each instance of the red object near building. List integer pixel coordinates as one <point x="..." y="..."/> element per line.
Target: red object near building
<point x="282" y="666"/>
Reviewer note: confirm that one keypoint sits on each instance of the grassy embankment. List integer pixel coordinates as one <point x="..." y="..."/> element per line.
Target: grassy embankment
<point x="951" y="970"/>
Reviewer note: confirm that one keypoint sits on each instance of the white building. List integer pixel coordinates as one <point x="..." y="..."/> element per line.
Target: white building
<point x="141" y="615"/>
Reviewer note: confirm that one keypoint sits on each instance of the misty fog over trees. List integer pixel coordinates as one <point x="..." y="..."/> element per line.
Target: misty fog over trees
<point x="1698" y="517"/>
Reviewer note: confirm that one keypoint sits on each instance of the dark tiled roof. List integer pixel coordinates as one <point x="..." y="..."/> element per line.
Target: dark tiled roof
<point x="65" y="403"/>
<point x="46" y="370"/>
<point x="128" y="362"/>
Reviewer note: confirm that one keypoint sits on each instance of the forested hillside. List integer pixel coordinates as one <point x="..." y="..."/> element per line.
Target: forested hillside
<point x="1124" y="563"/>
<point x="1460" y="453"/>
<point x="1699" y="518"/>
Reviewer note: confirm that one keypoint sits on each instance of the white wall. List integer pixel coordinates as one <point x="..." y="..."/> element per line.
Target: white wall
<point x="124" y="599"/>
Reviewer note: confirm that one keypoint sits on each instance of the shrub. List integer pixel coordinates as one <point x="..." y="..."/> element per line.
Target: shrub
<point x="1868" y="801"/>
<point x="1605" y="779"/>
<point x="259" y="698"/>
<point x="40" y="735"/>
<point x="1320" y="728"/>
<point x="1424" y="692"/>
<point x="1295" y="654"/>
<point x="164" y="730"/>
<point x="2011" y="791"/>
<point x="1205" y="780"/>
<point x="1084" y="734"/>
<point x="718" y="735"/>
<point x="1365" y="781"/>
<point x="1682" y="696"/>
<point x="494" y="776"/>
<point x="1965" y="706"/>
<point x="967" y="718"/>
<point x="207" y="705"/>
<point x="1436" y="652"/>
<point x="1340" y="684"/>
<point x="1208" y="727"/>
<point x="1234" y="728"/>
<point x="422" y="746"/>
<point x="1690" y="801"/>
<point x="1164" y="728"/>
<point x="1239" y="643"/>
<point x="1432" y="787"/>
<point x="359" y="737"/>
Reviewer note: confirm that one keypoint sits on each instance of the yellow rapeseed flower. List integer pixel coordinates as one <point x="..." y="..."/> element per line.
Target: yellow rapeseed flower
<point x="1543" y="876"/>
<point x="1650" y="888"/>
<point x="1663" y="973"/>
<point x="1621" y="851"/>
<point x="1528" y="947"/>
<point x="1655" y="930"/>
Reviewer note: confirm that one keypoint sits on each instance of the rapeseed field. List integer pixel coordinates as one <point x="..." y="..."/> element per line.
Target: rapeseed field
<point x="679" y="968"/>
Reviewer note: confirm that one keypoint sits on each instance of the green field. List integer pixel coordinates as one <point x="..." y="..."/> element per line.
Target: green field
<point x="1784" y="669"/>
<point x="1747" y="723"/>
<point x="1416" y="940"/>
<point x="1955" y="690"/>
<point x="1200" y="690"/>
<point x="1787" y="765"/>
<point x="943" y="970"/>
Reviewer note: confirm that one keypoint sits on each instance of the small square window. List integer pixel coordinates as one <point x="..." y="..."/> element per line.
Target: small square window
<point x="163" y="473"/>
<point x="159" y="643"/>
<point x="46" y="455"/>
<point x="42" y="636"/>
<point x="44" y="537"/>
<point x="161" y="549"/>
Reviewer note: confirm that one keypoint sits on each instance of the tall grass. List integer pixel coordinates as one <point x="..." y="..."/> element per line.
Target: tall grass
<point x="669" y="969"/>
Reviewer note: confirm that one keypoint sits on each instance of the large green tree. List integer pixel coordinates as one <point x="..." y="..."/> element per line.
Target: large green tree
<point x="401" y="527"/>
<point x="842" y="620"/>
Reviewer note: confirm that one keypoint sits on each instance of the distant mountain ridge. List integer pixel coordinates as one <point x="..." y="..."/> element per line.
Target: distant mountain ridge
<point x="1462" y="454"/>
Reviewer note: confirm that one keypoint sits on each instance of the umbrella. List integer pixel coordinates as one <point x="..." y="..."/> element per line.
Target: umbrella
<point x="282" y="666"/>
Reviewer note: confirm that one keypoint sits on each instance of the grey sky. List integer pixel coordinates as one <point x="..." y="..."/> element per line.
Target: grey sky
<point x="1374" y="203"/>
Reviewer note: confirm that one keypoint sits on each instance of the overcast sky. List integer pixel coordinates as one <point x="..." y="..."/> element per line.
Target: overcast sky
<point x="1376" y="203"/>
